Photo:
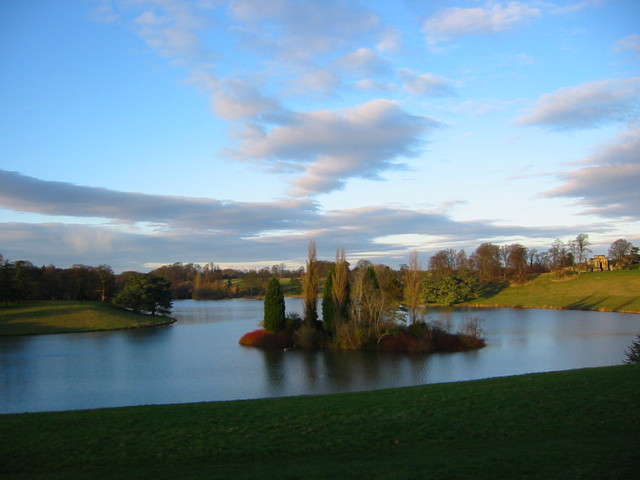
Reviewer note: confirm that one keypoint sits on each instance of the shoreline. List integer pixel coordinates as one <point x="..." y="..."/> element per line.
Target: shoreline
<point x="60" y="317"/>
<point x="170" y="321"/>
<point x="545" y="307"/>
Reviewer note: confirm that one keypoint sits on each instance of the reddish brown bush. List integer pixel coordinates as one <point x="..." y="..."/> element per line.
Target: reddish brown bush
<point x="262" y="339"/>
<point x="437" y="341"/>
<point x="405" y="342"/>
<point x="455" y="342"/>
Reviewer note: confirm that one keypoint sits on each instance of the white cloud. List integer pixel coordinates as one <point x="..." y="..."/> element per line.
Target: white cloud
<point x="630" y="43"/>
<point x="299" y="31"/>
<point x="492" y="18"/>
<point x="390" y="42"/>
<point x="317" y="80"/>
<point x="574" y="6"/>
<point x="170" y="27"/>
<point x="333" y="146"/>
<point x="425" y="83"/>
<point x="237" y="99"/>
<point x="363" y="61"/>
<point x="374" y="85"/>
<point x="587" y="105"/>
<point x="609" y="183"/>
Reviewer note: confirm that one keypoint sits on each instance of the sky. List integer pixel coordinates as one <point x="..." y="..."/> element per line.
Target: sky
<point x="137" y="133"/>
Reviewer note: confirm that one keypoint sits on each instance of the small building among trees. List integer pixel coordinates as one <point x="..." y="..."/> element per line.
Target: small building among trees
<point x="599" y="263"/>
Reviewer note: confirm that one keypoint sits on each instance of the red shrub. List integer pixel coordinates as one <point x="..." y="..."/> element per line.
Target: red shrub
<point x="458" y="342"/>
<point x="262" y="339"/>
<point x="437" y="341"/>
<point x="404" y="342"/>
<point x="251" y="339"/>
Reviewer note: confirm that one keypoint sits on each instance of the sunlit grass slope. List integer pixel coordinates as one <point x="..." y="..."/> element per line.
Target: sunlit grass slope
<point x="612" y="291"/>
<point x="63" y="317"/>
<point x="564" y="425"/>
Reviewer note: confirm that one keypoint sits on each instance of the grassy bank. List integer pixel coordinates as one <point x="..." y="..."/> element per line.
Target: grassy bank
<point x="65" y="317"/>
<point x="617" y="291"/>
<point x="575" y="424"/>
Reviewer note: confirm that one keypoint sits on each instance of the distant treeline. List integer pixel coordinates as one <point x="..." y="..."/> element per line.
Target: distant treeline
<point x="449" y="271"/>
<point x="21" y="280"/>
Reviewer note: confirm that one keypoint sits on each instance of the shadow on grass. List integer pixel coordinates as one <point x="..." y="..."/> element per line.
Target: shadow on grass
<point x="48" y="318"/>
<point x="19" y="313"/>
<point x="493" y="288"/>
<point x="586" y="303"/>
<point x="36" y="328"/>
<point x="633" y="300"/>
<point x="589" y="303"/>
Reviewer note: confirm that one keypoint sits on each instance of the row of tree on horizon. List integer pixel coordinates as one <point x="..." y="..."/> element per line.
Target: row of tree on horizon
<point x="21" y="280"/>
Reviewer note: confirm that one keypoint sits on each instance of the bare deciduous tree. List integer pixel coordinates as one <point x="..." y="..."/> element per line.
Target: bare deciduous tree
<point x="443" y="262"/>
<point x="487" y="262"/>
<point x="619" y="251"/>
<point x="517" y="262"/>
<point x="580" y="247"/>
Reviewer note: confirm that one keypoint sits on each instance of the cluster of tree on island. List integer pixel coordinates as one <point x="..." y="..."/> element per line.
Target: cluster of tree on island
<point x="372" y="307"/>
<point x="368" y="307"/>
<point x="452" y="276"/>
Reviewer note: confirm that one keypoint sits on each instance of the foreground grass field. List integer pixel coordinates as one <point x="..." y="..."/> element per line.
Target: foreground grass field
<point x="617" y="291"/>
<point x="563" y="425"/>
<point x="64" y="317"/>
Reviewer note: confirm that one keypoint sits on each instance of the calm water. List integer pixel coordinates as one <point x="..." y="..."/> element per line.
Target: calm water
<point x="199" y="359"/>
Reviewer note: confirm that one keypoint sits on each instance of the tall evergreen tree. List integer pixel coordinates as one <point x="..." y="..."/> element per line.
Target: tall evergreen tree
<point x="328" y="303"/>
<point x="310" y="287"/>
<point x="341" y="288"/>
<point x="274" y="308"/>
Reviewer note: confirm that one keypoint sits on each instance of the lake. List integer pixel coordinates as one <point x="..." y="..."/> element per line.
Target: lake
<point x="198" y="358"/>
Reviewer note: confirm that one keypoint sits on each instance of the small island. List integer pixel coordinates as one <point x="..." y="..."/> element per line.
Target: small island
<point x="357" y="315"/>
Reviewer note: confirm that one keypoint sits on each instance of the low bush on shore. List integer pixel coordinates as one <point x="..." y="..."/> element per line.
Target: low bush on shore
<point x="263" y="339"/>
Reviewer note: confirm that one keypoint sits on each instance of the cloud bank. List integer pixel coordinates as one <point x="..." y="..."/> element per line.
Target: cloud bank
<point x="608" y="183"/>
<point x="588" y="105"/>
<point x="141" y="229"/>
<point x="27" y="194"/>
<point x="493" y="17"/>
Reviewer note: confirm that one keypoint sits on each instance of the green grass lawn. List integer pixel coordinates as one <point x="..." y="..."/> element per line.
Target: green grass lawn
<point x="564" y="425"/>
<point x="610" y="291"/>
<point x="64" y="317"/>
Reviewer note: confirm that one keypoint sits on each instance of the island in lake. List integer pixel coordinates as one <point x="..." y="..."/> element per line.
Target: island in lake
<point x="356" y="315"/>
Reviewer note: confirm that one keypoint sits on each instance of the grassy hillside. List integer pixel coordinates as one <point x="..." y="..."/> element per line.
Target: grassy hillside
<point x="64" y="317"/>
<point x="611" y="291"/>
<point x="563" y="425"/>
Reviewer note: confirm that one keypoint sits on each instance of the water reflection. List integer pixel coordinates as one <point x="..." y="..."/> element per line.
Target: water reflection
<point x="274" y="368"/>
<point x="199" y="359"/>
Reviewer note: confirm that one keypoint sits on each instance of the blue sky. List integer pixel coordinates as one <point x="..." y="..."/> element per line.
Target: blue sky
<point x="143" y="132"/>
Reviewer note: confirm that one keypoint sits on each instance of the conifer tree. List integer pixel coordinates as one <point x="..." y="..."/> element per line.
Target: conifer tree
<point x="341" y="288"/>
<point x="310" y="288"/>
<point x="328" y="304"/>
<point x="633" y="352"/>
<point x="274" y="308"/>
